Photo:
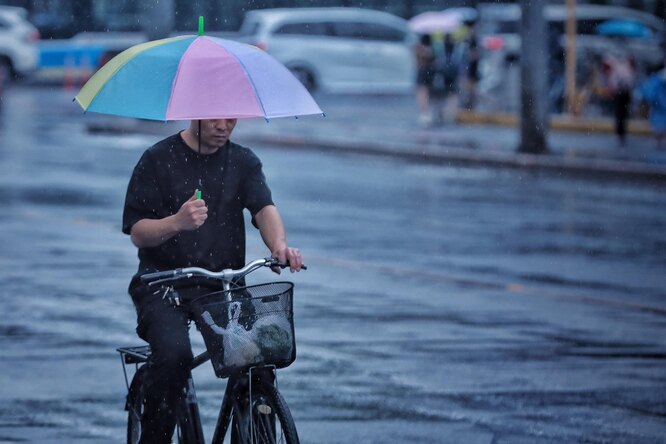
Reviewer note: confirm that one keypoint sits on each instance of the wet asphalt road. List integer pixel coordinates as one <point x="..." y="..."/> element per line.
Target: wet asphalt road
<point x="452" y="305"/>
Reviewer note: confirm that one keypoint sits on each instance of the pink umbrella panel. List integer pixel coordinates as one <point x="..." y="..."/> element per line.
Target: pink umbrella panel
<point x="433" y="22"/>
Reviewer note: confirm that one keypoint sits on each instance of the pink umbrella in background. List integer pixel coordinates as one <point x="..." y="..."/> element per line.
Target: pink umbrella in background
<point x="433" y="21"/>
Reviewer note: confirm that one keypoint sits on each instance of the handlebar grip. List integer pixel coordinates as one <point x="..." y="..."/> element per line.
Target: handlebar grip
<point x="160" y="275"/>
<point x="283" y="266"/>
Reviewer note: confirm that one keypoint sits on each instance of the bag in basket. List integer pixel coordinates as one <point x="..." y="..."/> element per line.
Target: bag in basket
<point x="240" y="348"/>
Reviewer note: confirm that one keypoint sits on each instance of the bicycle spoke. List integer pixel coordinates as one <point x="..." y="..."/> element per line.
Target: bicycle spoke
<point x="262" y="428"/>
<point x="266" y="428"/>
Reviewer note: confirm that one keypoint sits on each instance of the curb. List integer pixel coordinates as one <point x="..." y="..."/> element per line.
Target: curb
<point x="446" y="155"/>
<point x="562" y="122"/>
<point x="443" y="154"/>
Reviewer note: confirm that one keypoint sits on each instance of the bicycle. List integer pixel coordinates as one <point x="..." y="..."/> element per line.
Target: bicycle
<point x="252" y="407"/>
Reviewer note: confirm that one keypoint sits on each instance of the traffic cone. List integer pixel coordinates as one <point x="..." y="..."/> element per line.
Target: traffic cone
<point x="69" y="77"/>
<point x="85" y="69"/>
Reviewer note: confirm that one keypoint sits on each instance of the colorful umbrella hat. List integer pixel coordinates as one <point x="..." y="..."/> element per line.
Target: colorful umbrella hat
<point x="193" y="78"/>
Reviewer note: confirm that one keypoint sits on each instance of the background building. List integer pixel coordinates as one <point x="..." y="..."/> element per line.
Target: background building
<point x="64" y="18"/>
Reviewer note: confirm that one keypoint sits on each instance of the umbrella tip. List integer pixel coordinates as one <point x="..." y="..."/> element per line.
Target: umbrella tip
<point x="201" y="25"/>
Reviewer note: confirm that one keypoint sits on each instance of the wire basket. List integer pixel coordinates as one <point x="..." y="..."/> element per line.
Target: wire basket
<point x="256" y="327"/>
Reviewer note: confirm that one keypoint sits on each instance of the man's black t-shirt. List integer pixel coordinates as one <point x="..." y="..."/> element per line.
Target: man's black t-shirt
<point x="167" y="175"/>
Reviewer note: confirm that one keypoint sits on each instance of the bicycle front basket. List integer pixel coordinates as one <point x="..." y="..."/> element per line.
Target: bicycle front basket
<point x="256" y="327"/>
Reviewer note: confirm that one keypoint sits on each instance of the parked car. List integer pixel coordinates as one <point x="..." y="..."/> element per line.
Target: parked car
<point x="336" y="49"/>
<point x="18" y="43"/>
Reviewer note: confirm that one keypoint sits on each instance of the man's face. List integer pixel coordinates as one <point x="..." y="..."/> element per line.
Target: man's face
<point x="216" y="132"/>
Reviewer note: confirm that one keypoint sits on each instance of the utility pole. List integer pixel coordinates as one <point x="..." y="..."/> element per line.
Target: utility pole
<point x="533" y="72"/>
<point x="572" y="106"/>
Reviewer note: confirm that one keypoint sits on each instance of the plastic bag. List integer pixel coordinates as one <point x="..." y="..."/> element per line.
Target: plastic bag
<point x="240" y="348"/>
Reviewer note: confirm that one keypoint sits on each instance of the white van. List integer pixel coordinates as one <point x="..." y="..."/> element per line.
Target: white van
<point x="337" y="49"/>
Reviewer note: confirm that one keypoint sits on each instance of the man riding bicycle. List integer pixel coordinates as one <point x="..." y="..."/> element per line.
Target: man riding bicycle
<point x="184" y="207"/>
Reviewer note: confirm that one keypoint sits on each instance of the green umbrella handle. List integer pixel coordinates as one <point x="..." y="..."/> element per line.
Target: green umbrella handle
<point x="201" y="25"/>
<point x="198" y="192"/>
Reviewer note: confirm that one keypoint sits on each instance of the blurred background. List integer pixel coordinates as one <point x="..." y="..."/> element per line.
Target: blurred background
<point x="67" y="40"/>
<point x="485" y="267"/>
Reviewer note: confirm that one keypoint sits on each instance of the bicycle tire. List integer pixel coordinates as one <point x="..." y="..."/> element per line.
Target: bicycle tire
<point x="272" y="422"/>
<point x="134" y="407"/>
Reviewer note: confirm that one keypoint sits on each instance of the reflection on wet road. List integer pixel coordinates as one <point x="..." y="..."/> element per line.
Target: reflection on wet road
<point x="441" y="304"/>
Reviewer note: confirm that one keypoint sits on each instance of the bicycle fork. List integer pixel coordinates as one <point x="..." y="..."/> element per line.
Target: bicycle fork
<point x="238" y="401"/>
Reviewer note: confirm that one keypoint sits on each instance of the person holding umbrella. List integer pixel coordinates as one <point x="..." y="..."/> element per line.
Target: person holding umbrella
<point x="186" y="196"/>
<point x="174" y="227"/>
<point x="621" y="71"/>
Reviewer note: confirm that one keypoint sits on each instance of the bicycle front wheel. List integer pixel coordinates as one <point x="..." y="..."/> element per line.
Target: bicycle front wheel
<point x="267" y="421"/>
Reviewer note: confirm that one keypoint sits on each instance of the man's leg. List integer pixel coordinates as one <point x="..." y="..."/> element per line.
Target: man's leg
<point x="165" y="328"/>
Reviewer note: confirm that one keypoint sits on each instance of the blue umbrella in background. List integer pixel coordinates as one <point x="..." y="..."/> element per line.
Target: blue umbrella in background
<point x="623" y="28"/>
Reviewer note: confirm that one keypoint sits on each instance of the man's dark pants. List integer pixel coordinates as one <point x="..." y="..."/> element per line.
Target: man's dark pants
<point x="165" y="327"/>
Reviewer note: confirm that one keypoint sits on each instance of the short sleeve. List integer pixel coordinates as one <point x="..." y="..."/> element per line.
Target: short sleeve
<point x="143" y="199"/>
<point x="256" y="192"/>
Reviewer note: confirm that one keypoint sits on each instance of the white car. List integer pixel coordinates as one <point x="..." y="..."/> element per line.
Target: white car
<point x="337" y="49"/>
<point x="19" y="55"/>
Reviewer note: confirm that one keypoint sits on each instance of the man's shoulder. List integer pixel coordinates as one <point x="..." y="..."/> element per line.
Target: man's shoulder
<point x="241" y="152"/>
<point x="165" y="145"/>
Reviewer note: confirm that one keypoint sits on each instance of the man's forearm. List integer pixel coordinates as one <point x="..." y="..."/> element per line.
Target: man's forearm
<point x="148" y="233"/>
<point x="271" y="228"/>
<point x="272" y="232"/>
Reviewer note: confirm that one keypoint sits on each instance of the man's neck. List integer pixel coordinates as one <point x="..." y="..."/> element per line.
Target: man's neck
<point x="193" y="143"/>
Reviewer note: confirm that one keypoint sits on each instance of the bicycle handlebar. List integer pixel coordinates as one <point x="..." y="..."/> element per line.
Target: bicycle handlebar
<point x="227" y="275"/>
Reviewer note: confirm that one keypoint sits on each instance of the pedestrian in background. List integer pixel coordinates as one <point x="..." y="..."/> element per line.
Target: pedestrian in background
<point x="621" y="82"/>
<point x="556" y="69"/>
<point x="587" y="82"/>
<point x="425" y="71"/>
<point x="472" y="59"/>
<point x="654" y="94"/>
<point x="173" y="226"/>
<point x="445" y="84"/>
